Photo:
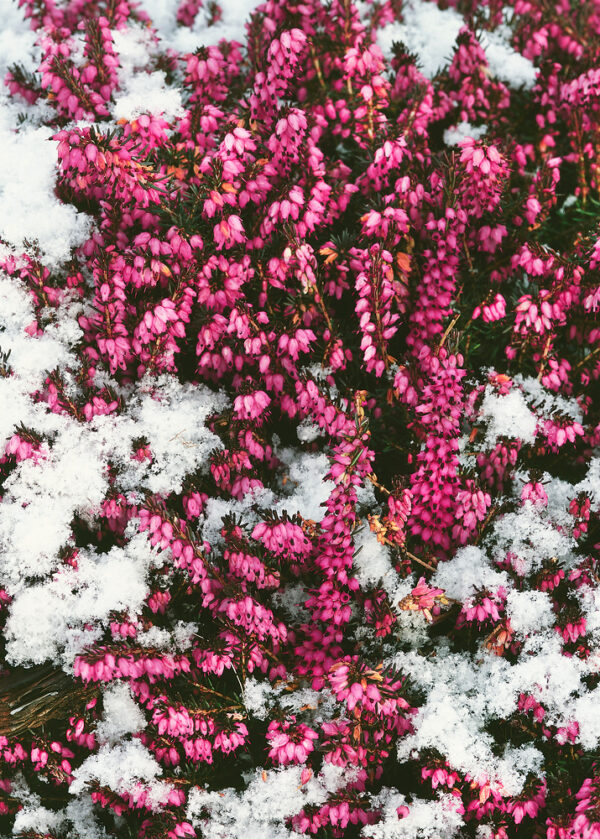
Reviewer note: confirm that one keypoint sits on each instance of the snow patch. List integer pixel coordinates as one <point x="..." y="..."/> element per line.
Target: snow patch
<point x="231" y="26"/>
<point x="372" y="562"/>
<point x="468" y="570"/>
<point x="122" y="715"/>
<point x="529" y="611"/>
<point x="505" y="62"/>
<point x="29" y="209"/>
<point x="123" y="768"/>
<point x="439" y="819"/>
<point x="48" y="620"/>
<point x="507" y="416"/>
<point x="464" y="130"/>
<point x="427" y="31"/>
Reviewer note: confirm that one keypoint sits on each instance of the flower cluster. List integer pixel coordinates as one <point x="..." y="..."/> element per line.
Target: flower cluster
<point x="299" y="481"/>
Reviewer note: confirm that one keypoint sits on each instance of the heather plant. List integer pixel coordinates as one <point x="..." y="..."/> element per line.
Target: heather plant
<point x="299" y="472"/>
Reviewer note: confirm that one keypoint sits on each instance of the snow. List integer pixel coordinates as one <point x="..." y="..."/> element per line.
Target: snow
<point x="122" y="768"/>
<point x="412" y="628"/>
<point x="468" y="570"/>
<point x="134" y="45"/>
<point x="547" y="402"/>
<point x="47" y="620"/>
<point x="34" y="817"/>
<point x="531" y="537"/>
<point x="439" y="819"/>
<point x="559" y="494"/>
<point x="41" y="498"/>
<point x="590" y="603"/>
<point x="457" y="133"/>
<point x="430" y="33"/>
<point x="304" y="491"/>
<point x="591" y="482"/>
<point x="585" y="711"/>
<point x="141" y="92"/>
<point x="30" y="358"/>
<point x="443" y="723"/>
<point x="38" y="819"/>
<point x="529" y="611"/>
<point x="230" y="27"/>
<point x="29" y="209"/>
<point x="425" y="30"/>
<point x="183" y="633"/>
<point x="291" y="599"/>
<point x="17" y="39"/>
<point x="463" y="693"/>
<point x="148" y="94"/>
<point x="171" y="417"/>
<point x="372" y="562"/>
<point x="505" y="62"/>
<point x="217" y="508"/>
<point x="306" y="479"/>
<point x="122" y="715"/>
<point x="308" y="432"/>
<point x="545" y="672"/>
<point x="155" y="637"/>
<point x="257" y="697"/>
<point x="179" y="638"/>
<point x="40" y="502"/>
<point x="261" y="809"/>
<point x="315" y="705"/>
<point x="80" y="813"/>
<point x="507" y="416"/>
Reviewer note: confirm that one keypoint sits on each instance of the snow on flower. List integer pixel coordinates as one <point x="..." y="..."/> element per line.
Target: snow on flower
<point x="299" y="486"/>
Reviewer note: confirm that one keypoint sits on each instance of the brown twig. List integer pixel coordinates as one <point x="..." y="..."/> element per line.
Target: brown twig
<point x="422" y="562"/>
<point x="448" y="330"/>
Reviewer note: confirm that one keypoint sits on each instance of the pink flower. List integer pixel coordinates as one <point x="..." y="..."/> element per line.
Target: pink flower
<point x="535" y="493"/>
<point x="289" y="743"/>
<point x="251" y="405"/>
<point x="423" y="598"/>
